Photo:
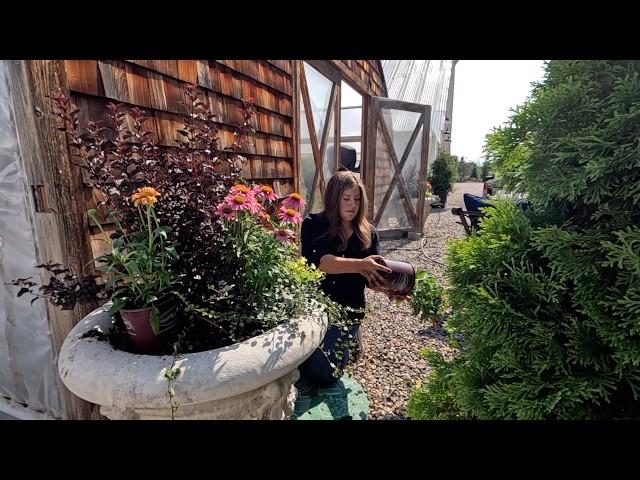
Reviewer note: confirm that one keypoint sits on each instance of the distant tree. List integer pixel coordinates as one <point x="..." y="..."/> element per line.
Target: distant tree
<point x="474" y="171"/>
<point x="460" y="166"/>
<point x="485" y="168"/>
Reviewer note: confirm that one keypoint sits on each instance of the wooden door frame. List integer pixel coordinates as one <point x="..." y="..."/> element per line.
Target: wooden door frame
<point x="318" y="146"/>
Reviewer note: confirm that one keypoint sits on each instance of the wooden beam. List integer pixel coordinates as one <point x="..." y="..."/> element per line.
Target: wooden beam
<point x="368" y="161"/>
<point x="325" y="136"/>
<point x="400" y="105"/>
<point x="312" y="135"/>
<point x="62" y="231"/>
<point x="354" y="81"/>
<point x="424" y="166"/>
<point x="296" y="125"/>
<point x="384" y="81"/>
<point x="326" y="68"/>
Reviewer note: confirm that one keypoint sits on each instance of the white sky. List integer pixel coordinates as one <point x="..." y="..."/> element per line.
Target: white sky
<point x="484" y="93"/>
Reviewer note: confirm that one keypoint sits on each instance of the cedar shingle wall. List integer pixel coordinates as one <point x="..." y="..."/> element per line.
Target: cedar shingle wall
<point x="156" y="87"/>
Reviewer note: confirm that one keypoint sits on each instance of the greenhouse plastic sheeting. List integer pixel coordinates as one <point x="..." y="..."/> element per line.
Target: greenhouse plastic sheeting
<point x="425" y="82"/>
<point x="28" y="373"/>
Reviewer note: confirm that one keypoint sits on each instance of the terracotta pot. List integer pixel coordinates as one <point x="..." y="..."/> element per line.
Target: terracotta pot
<point x="138" y="324"/>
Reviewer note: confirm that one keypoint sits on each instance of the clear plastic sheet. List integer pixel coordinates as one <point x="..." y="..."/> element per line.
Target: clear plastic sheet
<point x="28" y="373"/>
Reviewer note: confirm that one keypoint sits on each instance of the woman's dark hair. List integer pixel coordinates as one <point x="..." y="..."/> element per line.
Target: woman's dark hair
<point x="340" y="182"/>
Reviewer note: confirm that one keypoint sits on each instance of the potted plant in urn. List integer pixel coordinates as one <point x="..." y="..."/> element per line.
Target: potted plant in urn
<point x="140" y="280"/>
<point x="188" y="231"/>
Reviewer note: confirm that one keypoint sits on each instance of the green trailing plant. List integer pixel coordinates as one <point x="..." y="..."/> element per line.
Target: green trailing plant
<point x="170" y="375"/>
<point x="427" y="297"/>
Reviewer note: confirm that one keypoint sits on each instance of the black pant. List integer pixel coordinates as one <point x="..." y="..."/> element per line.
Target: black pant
<point x="317" y="368"/>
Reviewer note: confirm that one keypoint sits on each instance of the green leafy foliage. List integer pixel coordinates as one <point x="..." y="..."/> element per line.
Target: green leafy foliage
<point x="139" y="265"/>
<point x="443" y="172"/>
<point x="435" y="399"/>
<point x="427" y="296"/>
<point x="546" y="304"/>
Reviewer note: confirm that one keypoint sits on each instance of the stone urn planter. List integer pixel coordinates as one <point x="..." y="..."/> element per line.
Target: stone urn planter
<point x="253" y="379"/>
<point x="443" y="197"/>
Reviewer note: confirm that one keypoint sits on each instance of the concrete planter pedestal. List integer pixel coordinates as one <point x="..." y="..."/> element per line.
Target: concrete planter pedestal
<point x="247" y="380"/>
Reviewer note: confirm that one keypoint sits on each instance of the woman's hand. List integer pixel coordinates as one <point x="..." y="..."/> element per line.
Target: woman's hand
<point x="369" y="269"/>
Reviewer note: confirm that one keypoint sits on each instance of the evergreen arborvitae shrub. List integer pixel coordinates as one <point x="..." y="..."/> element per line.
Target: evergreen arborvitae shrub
<point x="547" y="302"/>
<point x="435" y="399"/>
<point x="443" y="172"/>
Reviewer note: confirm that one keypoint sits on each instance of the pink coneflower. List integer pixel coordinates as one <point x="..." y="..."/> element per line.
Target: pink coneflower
<point x="293" y="200"/>
<point x="240" y="202"/>
<point x="284" y="235"/>
<point x="289" y="215"/>
<point x="226" y="211"/>
<point x="266" y="192"/>
<point x="240" y="188"/>
<point x="254" y="205"/>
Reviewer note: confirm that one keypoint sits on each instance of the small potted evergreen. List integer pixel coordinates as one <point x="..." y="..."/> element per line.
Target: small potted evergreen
<point x="442" y="175"/>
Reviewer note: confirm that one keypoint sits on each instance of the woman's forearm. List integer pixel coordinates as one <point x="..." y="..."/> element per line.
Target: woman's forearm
<point x="332" y="264"/>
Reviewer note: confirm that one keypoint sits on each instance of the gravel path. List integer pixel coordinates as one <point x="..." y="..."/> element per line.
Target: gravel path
<point x="391" y="335"/>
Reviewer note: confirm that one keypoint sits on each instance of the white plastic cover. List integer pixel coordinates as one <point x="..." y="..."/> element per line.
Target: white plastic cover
<point x="28" y="374"/>
<point x="425" y="82"/>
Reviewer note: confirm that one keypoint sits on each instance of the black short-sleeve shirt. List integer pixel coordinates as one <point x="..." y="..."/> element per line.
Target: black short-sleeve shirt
<point x="347" y="289"/>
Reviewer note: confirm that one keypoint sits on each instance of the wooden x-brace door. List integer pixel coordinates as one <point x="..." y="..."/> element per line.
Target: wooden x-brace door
<point x="396" y="164"/>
